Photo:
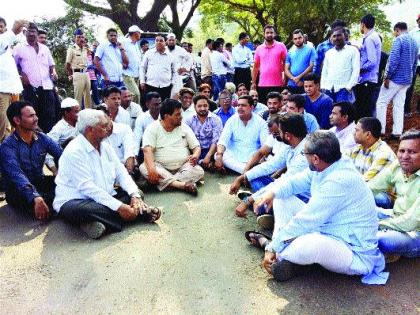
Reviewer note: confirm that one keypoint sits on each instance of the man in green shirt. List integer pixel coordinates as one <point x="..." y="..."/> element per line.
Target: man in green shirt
<point x="400" y="226"/>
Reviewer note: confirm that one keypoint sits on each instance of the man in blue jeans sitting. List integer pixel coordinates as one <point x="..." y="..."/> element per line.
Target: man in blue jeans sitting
<point x="399" y="221"/>
<point x="292" y="131"/>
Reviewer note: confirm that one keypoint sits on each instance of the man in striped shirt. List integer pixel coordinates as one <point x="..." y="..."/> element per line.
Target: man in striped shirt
<point x="371" y="155"/>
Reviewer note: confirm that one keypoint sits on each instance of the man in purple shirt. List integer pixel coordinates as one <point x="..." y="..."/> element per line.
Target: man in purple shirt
<point x="370" y="57"/>
<point x="37" y="70"/>
<point x="207" y="128"/>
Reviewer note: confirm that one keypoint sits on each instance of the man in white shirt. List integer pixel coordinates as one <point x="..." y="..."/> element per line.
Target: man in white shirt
<point x="171" y="151"/>
<point x="241" y="137"/>
<point x="205" y="63"/>
<point x="158" y="70"/>
<point x="132" y="72"/>
<point x="341" y="68"/>
<point x="112" y="102"/>
<point x="342" y="120"/>
<point x="183" y="62"/>
<point x="242" y="61"/>
<point x="186" y="97"/>
<point x="131" y="107"/>
<point x="219" y="68"/>
<point x="153" y="102"/>
<point x="89" y="169"/>
<point x="9" y="77"/>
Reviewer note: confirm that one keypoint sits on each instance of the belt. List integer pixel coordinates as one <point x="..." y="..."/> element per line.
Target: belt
<point x="79" y="70"/>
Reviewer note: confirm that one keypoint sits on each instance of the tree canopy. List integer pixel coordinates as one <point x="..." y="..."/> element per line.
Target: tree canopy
<point x="286" y="15"/>
<point x="126" y="13"/>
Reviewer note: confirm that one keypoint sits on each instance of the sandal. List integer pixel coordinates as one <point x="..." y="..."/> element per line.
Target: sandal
<point x="191" y="188"/>
<point x="255" y="239"/>
<point x="153" y="214"/>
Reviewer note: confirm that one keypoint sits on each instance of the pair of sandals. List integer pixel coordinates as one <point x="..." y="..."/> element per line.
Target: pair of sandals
<point x="255" y="237"/>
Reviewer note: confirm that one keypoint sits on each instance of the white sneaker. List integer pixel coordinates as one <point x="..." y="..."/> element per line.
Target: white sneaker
<point x="93" y="230"/>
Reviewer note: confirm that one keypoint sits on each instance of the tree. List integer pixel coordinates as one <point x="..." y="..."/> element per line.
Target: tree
<point x="125" y="13"/>
<point x="311" y="16"/>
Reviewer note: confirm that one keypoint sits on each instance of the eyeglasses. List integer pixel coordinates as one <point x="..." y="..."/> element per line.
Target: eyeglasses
<point x="306" y="153"/>
<point x="224" y="98"/>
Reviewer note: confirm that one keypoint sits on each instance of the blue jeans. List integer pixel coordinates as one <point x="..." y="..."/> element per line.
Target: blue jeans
<point x="341" y="95"/>
<point x="383" y="200"/>
<point x="400" y="243"/>
<point x="260" y="182"/>
<point x="219" y="82"/>
<point x="203" y="153"/>
<point x="95" y="92"/>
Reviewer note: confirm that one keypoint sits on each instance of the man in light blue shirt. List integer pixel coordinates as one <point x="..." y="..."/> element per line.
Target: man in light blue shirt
<point x="292" y="132"/>
<point x="296" y="104"/>
<point x="110" y="58"/>
<point x="242" y="136"/>
<point x="299" y="62"/>
<point x="131" y="74"/>
<point x="336" y="229"/>
<point x="242" y="61"/>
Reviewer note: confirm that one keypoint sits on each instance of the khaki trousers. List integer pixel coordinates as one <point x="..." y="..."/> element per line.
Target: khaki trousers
<point x="5" y="100"/>
<point x="187" y="173"/>
<point x="132" y="84"/>
<point x="81" y="83"/>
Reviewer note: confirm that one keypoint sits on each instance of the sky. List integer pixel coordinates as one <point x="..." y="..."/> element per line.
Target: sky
<point x="31" y="9"/>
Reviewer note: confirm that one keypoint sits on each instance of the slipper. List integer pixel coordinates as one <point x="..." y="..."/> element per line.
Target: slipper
<point x="266" y="221"/>
<point x="153" y="214"/>
<point x="256" y="239"/>
<point x="191" y="188"/>
<point x="243" y="194"/>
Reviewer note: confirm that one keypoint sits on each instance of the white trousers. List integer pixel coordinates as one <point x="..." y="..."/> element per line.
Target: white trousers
<point x="284" y="210"/>
<point x="395" y="93"/>
<point x="232" y="163"/>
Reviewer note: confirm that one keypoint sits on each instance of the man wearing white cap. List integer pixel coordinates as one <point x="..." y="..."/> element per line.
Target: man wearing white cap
<point x="132" y="72"/>
<point x="183" y="62"/>
<point x="65" y="129"/>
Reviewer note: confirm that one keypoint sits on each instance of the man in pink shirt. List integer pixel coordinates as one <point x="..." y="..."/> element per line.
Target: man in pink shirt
<point x="37" y="70"/>
<point x="269" y="63"/>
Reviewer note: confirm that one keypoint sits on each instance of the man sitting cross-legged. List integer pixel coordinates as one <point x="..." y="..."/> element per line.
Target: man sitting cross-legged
<point x="335" y="229"/>
<point x="89" y="169"/>
<point x="167" y="146"/>
<point x="241" y="137"/>
<point x="292" y="132"/>
<point x="207" y="127"/>
<point x="399" y="226"/>
<point x="22" y="157"/>
<point x="371" y="155"/>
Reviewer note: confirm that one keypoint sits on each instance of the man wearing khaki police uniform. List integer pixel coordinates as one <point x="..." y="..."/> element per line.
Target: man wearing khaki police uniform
<point x="76" y="64"/>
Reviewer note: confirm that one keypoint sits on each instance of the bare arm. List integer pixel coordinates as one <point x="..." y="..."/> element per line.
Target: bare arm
<point x="255" y="71"/>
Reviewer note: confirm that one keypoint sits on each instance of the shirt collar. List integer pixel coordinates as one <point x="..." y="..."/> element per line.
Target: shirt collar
<point x="88" y="146"/>
<point x="18" y="137"/>
<point x="368" y="33"/>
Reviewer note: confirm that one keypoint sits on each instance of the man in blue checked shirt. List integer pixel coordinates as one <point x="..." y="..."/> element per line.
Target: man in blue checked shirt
<point x="22" y="158"/>
<point x="336" y="229"/>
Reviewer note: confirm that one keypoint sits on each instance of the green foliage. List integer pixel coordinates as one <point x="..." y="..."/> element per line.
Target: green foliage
<point x="310" y="16"/>
<point x="60" y="37"/>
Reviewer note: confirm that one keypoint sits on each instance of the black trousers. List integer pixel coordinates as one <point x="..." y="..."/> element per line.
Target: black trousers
<point x="45" y="187"/>
<point x="242" y="75"/>
<point x="409" y="94"/>
<point x="80" y="211"/>
<point x="164" y="92"/>
<point x="366" y="97"/>
<point x="46" y="105"/>
<point x="263" y="91"/>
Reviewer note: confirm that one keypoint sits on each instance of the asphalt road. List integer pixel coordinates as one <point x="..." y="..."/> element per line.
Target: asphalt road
<point x="194" y="260"/>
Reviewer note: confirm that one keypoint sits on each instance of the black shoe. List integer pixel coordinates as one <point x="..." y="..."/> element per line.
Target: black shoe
<point x="243" y="194"/>
<point x="284" y="270"/>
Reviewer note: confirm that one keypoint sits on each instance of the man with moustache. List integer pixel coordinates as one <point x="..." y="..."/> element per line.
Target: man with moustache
<point x="133" y="109"/>
<point x="207" y="127"/>
<point x="158" y="71"/>
<point x="273" y="104"/>
<point x="37" y="70"/>
<point x="299" y="62"/>
<point x="225" y="110"/>
<point x="399" y="221"/>
<point x="341" y="68"/>
<point x="241" y="137"/>
<point x="269" y="62"/>
<point x="171" y="151"/>
<point x="292" y="132"/>
<point x="336" y="228"/>
<point x="76" y="67"/>
<point x="22" y="158"/>
<point x="111" y="59"/>
<point x="242" y="61"/>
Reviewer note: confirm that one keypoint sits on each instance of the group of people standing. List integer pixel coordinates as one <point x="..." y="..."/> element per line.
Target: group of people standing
<point x="307" y="145"/>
